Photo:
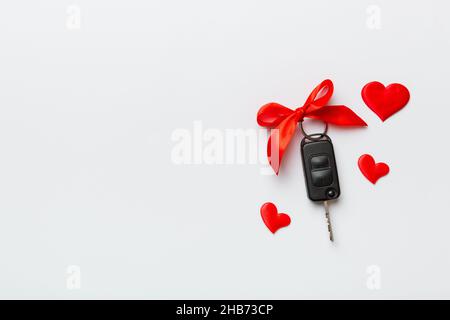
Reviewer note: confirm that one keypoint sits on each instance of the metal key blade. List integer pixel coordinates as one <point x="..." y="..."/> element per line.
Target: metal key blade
<point x="327" y="216"/>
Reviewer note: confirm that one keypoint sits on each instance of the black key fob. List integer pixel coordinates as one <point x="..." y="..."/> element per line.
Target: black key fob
<point x="319" y="166"/>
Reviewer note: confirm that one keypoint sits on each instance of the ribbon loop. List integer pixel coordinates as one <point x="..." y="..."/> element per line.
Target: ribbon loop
<point x="282" y="121"/>
<point x="319" y="96"/>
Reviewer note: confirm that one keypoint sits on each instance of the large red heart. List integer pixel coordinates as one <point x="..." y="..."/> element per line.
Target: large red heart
<point x="272" y="218"/>
<point x="385" y="101"/>
<point x="371" y="170"/>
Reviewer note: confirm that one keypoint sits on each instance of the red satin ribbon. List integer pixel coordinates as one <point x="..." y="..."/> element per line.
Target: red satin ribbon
<point x="283" y="121"/>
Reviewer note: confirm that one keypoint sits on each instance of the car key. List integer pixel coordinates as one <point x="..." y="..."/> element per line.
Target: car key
<point x="321" y="176"/>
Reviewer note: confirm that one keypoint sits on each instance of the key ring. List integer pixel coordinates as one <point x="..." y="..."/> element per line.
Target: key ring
<point x="314" y="136"/>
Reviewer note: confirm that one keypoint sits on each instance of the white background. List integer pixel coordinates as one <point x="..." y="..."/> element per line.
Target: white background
<point x="87" y="178"/>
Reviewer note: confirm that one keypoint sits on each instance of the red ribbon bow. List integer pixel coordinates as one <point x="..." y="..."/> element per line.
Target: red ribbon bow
<point x="283" y="121"/>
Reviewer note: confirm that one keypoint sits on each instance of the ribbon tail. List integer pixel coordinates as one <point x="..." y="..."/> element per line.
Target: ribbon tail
<point x="279" y="141"/>
<point x="338" y="115"/>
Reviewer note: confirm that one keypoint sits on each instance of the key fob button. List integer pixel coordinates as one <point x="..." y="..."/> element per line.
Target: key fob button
<point x="322" y="178"/>
<point x="331" y="193"/>
<point x="319" y="162"/>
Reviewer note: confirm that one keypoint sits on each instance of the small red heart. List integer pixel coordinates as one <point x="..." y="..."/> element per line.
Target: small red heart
<point x="371" y="170"/>
<point x="272" y="218"/>
<point x="385" y="101"/>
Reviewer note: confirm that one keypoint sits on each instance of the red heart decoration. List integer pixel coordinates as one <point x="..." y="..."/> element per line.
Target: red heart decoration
<point x="272" y="218"/>
<point x="385" y="101"/>
<point x="371" y="170"/>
